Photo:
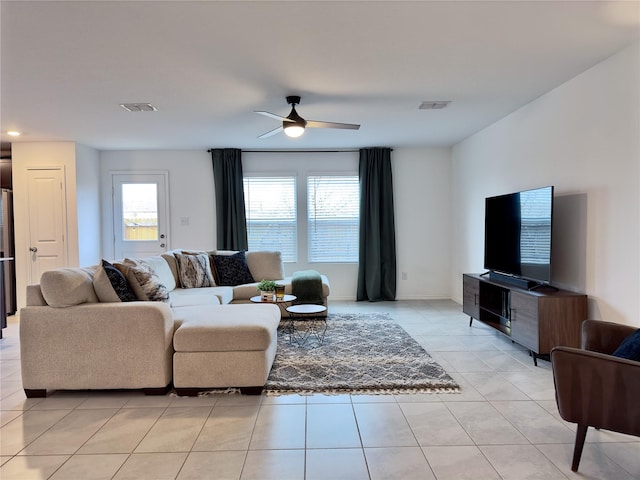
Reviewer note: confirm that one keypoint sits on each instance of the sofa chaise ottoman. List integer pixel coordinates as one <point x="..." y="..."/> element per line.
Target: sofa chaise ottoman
<point x="235" y="348"/>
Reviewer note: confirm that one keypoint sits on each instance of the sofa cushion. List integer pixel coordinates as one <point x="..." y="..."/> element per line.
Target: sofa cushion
<point x="200" y="296"/>
<point x="232" y="270"/>
<point x="630" y="347"/>
<point x="188" y="296"/>
<point x="185" y="297"/>
<point x="195" y="270"/>
<point x="110" y="284"/>
<point x="265" y="265"/>
<point x="65" y="287"/>
<point x="223" y="294"/>
<point x="226" y="328"/>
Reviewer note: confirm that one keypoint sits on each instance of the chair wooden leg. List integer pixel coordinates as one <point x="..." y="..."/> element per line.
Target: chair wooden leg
<point x="581" y="434"/>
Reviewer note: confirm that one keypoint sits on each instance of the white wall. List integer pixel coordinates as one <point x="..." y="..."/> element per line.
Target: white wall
<point x="191" y="193"/>
<point x="421" y="182"/>
<point x="583" y="137"/>
<point x="88" y="200"/>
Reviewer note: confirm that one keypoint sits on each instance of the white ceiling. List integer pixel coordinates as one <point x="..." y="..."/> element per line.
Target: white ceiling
<point x="207" y="65"/>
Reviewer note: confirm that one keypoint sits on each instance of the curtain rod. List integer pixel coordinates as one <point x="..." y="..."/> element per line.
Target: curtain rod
<point x="297" y="151"/>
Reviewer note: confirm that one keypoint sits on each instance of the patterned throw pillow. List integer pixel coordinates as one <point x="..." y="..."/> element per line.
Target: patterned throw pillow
<point x="195" y="270"/>
<point x="232" y="270"/>
<point x="118" y="283"/>
<point x="149" y="283"/>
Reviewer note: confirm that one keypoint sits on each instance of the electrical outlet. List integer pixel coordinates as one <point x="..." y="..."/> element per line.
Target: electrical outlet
<point x="184" y="221"/>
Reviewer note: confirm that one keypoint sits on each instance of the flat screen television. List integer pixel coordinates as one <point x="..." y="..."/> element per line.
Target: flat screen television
<point x="517" y="234"/>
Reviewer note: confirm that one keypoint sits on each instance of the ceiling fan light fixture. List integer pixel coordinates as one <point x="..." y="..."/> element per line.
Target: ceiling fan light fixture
<point x="293" y="130"/>
<point x="294" y="125"/>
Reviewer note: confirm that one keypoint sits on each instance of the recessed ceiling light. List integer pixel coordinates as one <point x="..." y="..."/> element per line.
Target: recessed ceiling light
<point x="138" y="107"/>
<point x="434" y="105"/>
<point x="14" y="133"/>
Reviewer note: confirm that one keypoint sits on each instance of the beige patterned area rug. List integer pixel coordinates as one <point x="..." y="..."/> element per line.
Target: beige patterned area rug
<point x="360" y="354"/>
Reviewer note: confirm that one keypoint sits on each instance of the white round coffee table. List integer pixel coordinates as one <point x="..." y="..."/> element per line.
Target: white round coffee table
<point x="305" y="323"/>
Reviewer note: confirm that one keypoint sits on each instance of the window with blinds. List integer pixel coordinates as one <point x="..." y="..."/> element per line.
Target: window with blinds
<point x="270" y="207"/>
<point x="333" y="213"/>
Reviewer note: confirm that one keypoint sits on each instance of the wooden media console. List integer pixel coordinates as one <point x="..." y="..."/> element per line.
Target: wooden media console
<point x="536" y="319"/>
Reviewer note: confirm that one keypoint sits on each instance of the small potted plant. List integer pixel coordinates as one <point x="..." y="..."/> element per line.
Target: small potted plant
<point x="267" y="290"/>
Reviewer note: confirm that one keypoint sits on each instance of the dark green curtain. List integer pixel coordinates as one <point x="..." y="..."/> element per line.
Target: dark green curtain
<point x="231" y="220"/>
<point x="377" y="266"/>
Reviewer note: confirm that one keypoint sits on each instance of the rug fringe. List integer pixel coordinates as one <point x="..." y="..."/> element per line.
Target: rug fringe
<point x="334" y="391"/>
<point x="364" y="391"/>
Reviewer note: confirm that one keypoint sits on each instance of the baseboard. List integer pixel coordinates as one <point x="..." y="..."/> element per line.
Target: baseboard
<point x="424" y="297"/>
<point x="398" y="298"/>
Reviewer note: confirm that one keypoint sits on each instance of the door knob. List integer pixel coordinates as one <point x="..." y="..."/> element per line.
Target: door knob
<point x="162" y="245"/>
<point x="33" y="249"/>
<point x="162" y="235"/>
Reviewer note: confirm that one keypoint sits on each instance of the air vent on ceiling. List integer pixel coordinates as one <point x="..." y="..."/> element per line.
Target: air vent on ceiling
<point x="434" y="105"/>
<point x="138" y="107"/>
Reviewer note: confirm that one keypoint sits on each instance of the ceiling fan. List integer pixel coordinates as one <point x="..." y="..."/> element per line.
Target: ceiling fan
<point x="293" y="124"/>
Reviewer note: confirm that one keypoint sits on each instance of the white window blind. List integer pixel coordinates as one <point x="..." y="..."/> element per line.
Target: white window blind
<point x="333" y="213"/>
<point x="270" y="207"/>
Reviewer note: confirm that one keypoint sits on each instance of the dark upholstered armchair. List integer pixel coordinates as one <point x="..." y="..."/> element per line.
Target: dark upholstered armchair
<point x="594" y="388"/>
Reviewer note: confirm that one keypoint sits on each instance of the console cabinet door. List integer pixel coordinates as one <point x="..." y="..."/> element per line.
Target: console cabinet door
<point x="470" y="296"/>
<point x="524" y="320"/>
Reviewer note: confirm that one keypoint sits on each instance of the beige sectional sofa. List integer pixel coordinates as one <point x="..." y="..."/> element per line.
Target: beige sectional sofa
<point x="77" y="334"/>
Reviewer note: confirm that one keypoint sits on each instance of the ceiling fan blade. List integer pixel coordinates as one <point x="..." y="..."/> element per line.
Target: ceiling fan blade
<point x="273" y="115"/>
<point x="346" y="126"/>
<point x="271" y="132"/>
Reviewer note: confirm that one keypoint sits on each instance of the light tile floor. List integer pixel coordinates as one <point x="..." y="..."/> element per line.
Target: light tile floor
<point x="503" y="425"/>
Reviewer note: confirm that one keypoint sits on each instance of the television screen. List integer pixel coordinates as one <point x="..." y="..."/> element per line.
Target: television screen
<point x="518" y="234"/>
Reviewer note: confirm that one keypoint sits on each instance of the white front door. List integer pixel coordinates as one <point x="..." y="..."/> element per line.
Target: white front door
<point x="140" y="214"/>
<point x="47" y="220"/>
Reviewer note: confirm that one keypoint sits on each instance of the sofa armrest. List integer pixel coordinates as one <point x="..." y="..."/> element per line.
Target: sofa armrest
<point x="96" y="346"/>
<point x="604" y="337"/>
<point x="34" y="296"/>
<point x="597" y="389"/>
